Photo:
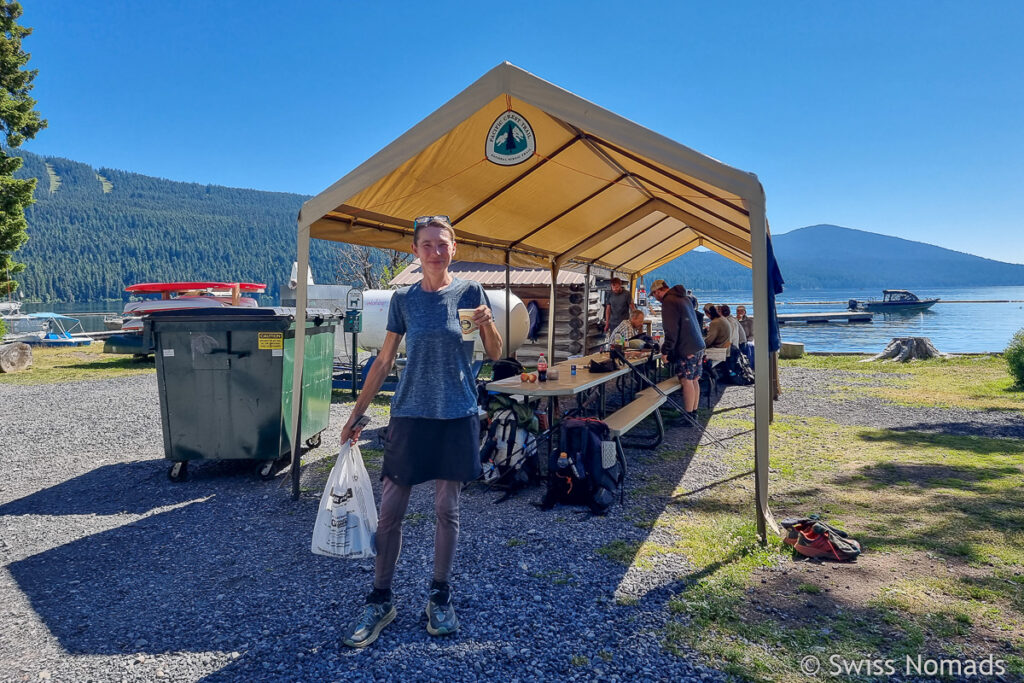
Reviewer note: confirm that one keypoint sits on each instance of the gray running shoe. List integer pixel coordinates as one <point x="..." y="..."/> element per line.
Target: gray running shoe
<point x="371" y="621"/>
<point x="441" y="619"/>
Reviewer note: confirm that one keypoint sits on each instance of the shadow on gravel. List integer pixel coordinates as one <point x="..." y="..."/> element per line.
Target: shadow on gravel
<point x="128" y="488"/>
<point x="196" y="578"/>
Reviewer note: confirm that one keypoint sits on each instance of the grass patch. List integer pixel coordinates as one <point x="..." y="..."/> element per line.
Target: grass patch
<point x="415" y="518"/>
<point x="981" y="382"/>
<point x="619" y="551"/>
<point x="514" y="542"/>
<point x="77" y="364"/>
<point x="942" y="521"/>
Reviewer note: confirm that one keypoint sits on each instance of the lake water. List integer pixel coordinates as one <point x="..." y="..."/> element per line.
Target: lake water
<point x="952" y="327"/>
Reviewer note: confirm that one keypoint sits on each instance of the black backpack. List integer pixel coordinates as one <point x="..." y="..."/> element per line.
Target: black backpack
<point x="736" y="369"/>
<point x="587" y="468"/>
<point x="508" y="454"/>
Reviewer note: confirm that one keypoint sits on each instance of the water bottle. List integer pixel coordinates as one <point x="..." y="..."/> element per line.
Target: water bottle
<point x="542" y="368"/>
<point x="563" y="460"/>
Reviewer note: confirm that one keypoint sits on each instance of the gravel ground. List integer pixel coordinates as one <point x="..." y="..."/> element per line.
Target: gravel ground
<point x="111" y="572"/>
<point x="809" y="392"/>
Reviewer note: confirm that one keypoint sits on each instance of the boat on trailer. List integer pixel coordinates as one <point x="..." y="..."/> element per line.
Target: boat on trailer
<point x="900" y="300"/>
<point x="176" y="296"/>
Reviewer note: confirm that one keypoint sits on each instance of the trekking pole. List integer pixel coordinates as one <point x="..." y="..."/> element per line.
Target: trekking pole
<point x="619" y="355"/>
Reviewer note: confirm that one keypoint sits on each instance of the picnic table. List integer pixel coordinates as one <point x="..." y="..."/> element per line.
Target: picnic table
<point x="569" y="385"/>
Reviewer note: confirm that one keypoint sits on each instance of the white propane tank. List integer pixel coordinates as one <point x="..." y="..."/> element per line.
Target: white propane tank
<point x="376" y="303"/>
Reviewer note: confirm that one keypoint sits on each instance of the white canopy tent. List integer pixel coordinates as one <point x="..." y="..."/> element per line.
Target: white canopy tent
<point x="533" y="175"/>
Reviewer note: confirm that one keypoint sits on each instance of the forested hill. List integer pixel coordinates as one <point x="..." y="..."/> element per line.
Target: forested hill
<point x="94" y="231"/>
<point x="828" y="257"/>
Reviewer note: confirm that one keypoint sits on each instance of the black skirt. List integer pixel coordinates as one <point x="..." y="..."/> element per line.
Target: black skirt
<point x="420" y="449"/>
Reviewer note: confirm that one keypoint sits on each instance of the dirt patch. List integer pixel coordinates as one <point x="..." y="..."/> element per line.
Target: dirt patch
<point x="829" y="597"/>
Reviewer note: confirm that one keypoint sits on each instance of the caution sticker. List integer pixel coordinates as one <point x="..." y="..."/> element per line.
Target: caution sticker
<point x="271" y="340"/>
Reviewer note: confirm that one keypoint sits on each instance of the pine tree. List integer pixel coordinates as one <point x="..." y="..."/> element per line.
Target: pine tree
<point x="19" y="121"/>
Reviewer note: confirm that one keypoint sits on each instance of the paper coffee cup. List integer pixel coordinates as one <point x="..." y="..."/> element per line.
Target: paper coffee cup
<point x="469" y="328"/>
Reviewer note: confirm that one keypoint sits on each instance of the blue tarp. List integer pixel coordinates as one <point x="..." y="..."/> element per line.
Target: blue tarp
<point x="775" y="283"/>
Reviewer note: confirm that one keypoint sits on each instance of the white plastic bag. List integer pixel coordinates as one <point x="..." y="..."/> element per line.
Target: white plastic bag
<point x="346" y="523"/>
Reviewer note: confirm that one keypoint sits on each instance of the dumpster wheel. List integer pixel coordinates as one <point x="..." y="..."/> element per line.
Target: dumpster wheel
<point x="269" y="469"/>
<point x="178" y="471"/>
<point x="314" y="441"/>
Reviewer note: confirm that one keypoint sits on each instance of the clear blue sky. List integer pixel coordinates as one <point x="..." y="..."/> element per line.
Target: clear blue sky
<point x="904" y="118"/>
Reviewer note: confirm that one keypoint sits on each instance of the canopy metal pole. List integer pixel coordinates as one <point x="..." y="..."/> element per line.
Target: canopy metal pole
<point x="300" y="354"/>
<point x="508" y="306"/>
<point x="586" y="311"/>
<point x="551" y="313"/>
<point x="762" y="365"/>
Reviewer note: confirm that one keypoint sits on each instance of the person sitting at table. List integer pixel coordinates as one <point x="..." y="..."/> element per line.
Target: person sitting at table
<point x="747" y="324"/>
<point x="717" y="336"/>
<point x="737" y="337"/>
<point x="629" y="328"/>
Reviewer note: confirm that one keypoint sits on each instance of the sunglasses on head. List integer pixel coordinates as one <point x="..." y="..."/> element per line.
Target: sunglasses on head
<point x="426" y="220"/>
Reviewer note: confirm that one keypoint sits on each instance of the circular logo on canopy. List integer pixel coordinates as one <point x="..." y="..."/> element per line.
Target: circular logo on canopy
<point x="510" y="140"/>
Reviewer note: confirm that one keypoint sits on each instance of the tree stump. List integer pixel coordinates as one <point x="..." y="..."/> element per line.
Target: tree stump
<point x="15" y="357"/>
<point x="903" y="349"/>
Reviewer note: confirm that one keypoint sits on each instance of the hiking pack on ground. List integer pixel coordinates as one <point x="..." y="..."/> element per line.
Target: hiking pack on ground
<point x="736" y="369"/>
<point x="586" y="469"/>
<point x="813" y="538"/>
<point x="508" y="454"/>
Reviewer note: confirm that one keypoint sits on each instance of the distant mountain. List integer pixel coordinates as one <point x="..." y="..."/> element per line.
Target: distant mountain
<point x="828" y="256"/>
<point x="94" y="231"/>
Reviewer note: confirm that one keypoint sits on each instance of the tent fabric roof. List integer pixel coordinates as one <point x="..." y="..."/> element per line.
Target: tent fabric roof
<point x="489" y="274"/>
<point x="626" y="199"/>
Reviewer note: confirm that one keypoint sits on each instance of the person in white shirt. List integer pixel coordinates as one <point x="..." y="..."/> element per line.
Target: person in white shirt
<point x="737" y="337"/>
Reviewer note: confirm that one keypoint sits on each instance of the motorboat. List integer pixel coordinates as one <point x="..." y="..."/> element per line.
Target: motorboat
<point x="10" y="307"/>
<point x="58" y="330"/>
<point x="24" y="327"/>
<point x="900" y="300"/>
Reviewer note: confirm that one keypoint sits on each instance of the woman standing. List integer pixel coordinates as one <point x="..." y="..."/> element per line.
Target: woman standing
<point x="434" y="429"/>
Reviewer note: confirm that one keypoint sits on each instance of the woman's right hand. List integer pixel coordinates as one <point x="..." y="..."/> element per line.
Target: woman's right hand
<point x="351" y="431"/>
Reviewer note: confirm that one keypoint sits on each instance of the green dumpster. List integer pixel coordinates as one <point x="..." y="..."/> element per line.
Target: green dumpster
<point x="224" y="377"/>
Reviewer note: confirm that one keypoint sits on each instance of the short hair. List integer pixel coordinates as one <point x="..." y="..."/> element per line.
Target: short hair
<point x="741" y="308"/>
<point x="636" y="313"/>
<point x="711" y="311"/>
<point x="724" y="310"/>
<point x="616" y="281"/>
<point x="433" y="223"/>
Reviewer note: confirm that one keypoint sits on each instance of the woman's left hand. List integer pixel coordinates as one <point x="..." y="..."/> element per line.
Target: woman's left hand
<point x="482" y="316"/>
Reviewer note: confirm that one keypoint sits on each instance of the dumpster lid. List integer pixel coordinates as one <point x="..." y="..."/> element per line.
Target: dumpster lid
<point x="261" y="313"/>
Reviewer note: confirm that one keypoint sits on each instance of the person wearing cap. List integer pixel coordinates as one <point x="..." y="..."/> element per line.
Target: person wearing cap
<point x="683" y="341"/>
<point x="618" y="305"/>
<point x="434" y="433"/>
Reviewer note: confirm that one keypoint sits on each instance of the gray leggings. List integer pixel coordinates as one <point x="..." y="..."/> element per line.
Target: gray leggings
<point x="393" y="503"/>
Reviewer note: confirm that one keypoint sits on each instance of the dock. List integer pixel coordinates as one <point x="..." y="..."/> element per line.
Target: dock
<point x="830" y="317"/>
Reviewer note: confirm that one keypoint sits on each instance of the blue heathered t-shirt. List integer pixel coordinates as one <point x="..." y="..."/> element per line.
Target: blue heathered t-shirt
<point x="438" y="381"/>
